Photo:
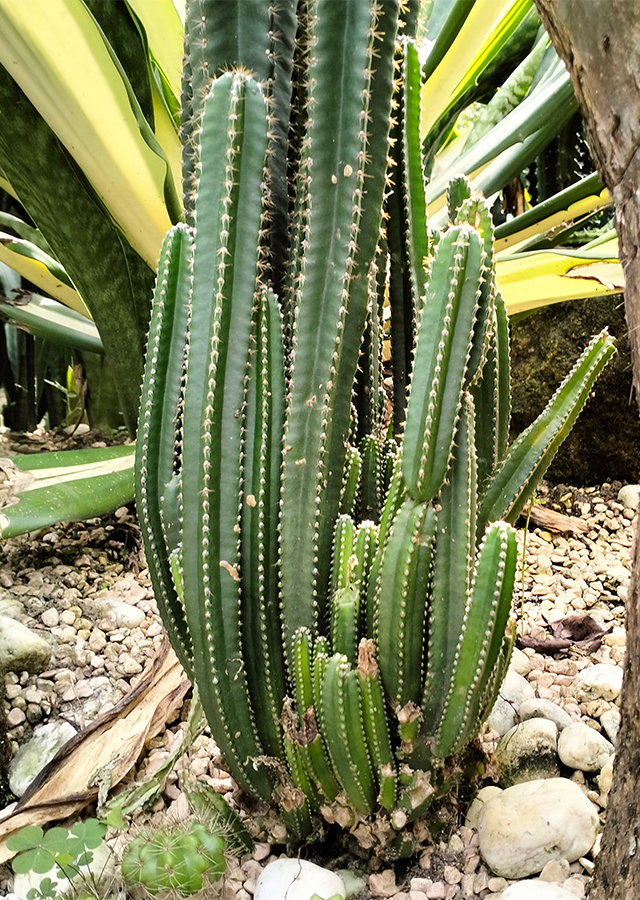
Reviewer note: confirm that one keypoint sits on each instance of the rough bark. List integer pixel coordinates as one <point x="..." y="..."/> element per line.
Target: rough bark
<point x="600" y="44"/>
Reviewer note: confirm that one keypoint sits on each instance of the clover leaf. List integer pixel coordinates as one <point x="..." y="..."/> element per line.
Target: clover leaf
<point x="36" y="857"/>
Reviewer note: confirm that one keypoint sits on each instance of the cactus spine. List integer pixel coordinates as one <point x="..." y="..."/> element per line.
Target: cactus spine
<point x="332" y="681"/>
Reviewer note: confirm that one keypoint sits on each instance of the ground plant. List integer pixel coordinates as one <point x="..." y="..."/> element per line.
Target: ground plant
<point x="65" y="853"/>
<point x="341" y="597"/>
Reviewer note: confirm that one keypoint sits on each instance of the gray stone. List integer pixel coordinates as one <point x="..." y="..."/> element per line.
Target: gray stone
<point x="528" y="824"/>
<point x="21" y="649"/>
<point x="514" y="691"/>
<point x="610" y="720"/>
<point x="534" y="889"/>
<point x="297" y="879"/>
<point x="583" y="748"/>
<point x="527" y="752"/>
<point x="536" y="708"/>
<point x="33" y="756"/>
<point x="598" y="682"/>
<point x="629" y="496"/>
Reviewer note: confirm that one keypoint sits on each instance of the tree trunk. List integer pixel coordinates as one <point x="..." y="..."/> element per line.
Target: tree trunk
<point x="600" y="44"/>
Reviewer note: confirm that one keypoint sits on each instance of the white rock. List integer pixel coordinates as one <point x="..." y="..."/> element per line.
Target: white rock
<point x="514" y="691"/>
<point x="610" y="720"/>
<point x="118" y="613"/>
<point x="537" y="708"/>
<point x="581" y="747"/>
<point x="491" y="790"/>
<point x="629" y="496"/>
<point x="297" y="879"/>
<point x="598" y="682"/>
<point x="527" y="752"/>
<point x="77" y="430"/>
<point x="528" y="824"/>
<point x="520" y="662"/>
<point x="33" y="756"/>
<point x="605" y="778"/>
<point x="536" y="890"/>
<point x="21" y="649"/>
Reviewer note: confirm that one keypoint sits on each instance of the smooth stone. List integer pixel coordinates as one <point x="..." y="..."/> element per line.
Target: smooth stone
<point x="21" y="649"/>
<point x="528" y="824"/>
<point x="556" y="870"/>
<point x="118" y="613"/>
<point x="33" y="756"/>
<point x="471" y="819"/>
<point x="354" y="884"/>
<point x="513" y="693"/>
<point x="605" y="779"/>
<point x="583" y="748"/>
<point x="598" y="682"/>
<point x="610" y="721"/>
<point x="100" y="873"/>
<point x="10" y="605"/>
<point x="520" y="662"/>
<point x="629" y="496"/>
<point x="527" y="752"/>
<point x="536" y="890"/>
<point x="537" y="708"/>
<point x="297" y="879"/>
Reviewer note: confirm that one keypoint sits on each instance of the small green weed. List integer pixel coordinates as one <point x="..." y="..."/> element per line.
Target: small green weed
<point x="67" y="852"/>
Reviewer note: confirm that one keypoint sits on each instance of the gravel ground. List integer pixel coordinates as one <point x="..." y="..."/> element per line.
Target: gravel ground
<point x="60" y="577"/>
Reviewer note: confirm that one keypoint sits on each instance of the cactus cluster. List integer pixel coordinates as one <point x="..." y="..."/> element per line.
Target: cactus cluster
<point x="341" y="599"/>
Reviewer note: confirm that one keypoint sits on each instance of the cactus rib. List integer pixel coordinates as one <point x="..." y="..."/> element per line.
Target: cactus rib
<point x="376" y="726"/>
<point x="156" y="442"/>
<point x="343" y="729"/>
<point x="443" y="347"/>
<point x="481" y="638"/>
<point x="225" y="266"/>
<point x="452" y="570"/>
<point x="344" y="204"/>
<point x="401" y="601"/>
<point x="262" y="453"/>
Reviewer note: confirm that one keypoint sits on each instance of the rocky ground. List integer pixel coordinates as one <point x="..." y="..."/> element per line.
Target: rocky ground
<point x="85" y="589"/>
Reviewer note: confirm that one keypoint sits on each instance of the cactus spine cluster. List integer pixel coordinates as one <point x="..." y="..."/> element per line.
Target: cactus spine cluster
<point x="342" y="602"/>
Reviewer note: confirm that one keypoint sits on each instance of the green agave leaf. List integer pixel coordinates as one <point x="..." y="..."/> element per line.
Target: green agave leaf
<point x="39" y="267"/>
<point x="113" y="280"/>
<point x="51" y="321"/>
<point x="51" y="49"/>
<point x="485" y="30"/>
<point x="163" y="24"/>
<point x="537" y="116"/>
<point x="69" y="485"/>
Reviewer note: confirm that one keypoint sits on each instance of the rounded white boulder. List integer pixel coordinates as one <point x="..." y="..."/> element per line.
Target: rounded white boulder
<point x="528" y="824"/>
<point x="297" y="879"/>
<point x="599" y="682"/>
<point x="581" y="747"/>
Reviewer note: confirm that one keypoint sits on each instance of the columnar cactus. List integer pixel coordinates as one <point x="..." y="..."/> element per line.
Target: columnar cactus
<point x="344" y="610"/>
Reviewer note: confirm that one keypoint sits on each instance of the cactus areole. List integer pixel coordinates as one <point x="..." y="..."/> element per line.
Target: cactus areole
<point x="342" y="601"/>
